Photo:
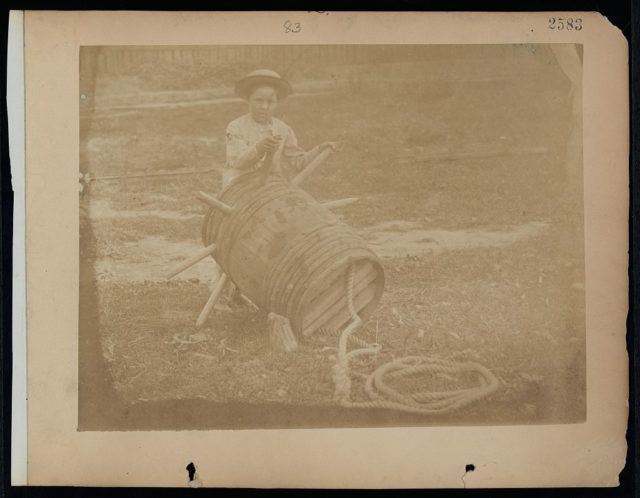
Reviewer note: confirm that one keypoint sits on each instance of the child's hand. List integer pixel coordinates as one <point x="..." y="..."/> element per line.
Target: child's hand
<point x="334" y="146"/>
<point x="268" y="145"/>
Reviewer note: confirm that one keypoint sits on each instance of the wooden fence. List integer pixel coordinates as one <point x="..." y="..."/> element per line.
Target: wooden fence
<point x="123" y="59"/>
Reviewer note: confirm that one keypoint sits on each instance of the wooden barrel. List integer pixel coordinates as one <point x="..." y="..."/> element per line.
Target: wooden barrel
<point x="290" y="255"/>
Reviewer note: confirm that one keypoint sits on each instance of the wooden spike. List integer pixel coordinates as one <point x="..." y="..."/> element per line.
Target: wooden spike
<point x="215" y="203"/>
<point x="207" y="251"/>
<point x="320" y="158"/>
<point x="212" y="300"/>
<point x="339" y="202"/>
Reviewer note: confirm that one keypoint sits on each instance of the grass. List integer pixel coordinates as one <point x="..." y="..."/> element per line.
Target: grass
<point x="517" y="309"/>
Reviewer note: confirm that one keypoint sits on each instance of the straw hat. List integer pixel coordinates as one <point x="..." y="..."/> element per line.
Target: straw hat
<point x="259" y="77"/>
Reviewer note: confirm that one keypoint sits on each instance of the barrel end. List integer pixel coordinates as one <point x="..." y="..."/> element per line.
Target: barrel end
<point x="332" y="312"/>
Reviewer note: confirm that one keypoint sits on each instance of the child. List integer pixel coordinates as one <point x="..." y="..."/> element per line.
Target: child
<point x="258" y="135"/>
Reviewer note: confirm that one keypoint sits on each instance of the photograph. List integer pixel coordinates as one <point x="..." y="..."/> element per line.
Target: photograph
<point x="319" y="249"/>
<point x="337" y="235"/>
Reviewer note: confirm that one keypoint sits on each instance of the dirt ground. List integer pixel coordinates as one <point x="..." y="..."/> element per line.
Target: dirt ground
<point x="463" y="190"/>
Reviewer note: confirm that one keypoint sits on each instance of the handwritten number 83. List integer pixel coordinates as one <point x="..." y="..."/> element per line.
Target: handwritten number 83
<point x="568" y="23"/>
<point x="292" y="27"/>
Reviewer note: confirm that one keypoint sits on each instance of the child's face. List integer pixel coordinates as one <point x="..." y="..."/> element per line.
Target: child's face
<point x="262" y="103"/>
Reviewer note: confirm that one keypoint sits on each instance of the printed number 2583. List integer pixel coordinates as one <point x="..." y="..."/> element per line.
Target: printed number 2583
<point x="568" y="23"/>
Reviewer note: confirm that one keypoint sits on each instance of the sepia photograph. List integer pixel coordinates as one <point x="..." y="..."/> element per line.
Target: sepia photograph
<point x="316" y="236"/>
<point x="325" y="250"/>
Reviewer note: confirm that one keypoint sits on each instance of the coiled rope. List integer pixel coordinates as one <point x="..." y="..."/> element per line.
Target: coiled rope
<point x="377" y="387"/>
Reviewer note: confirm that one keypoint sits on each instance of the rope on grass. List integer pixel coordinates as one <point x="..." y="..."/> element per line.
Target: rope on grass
<point x="382" y="395"/>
